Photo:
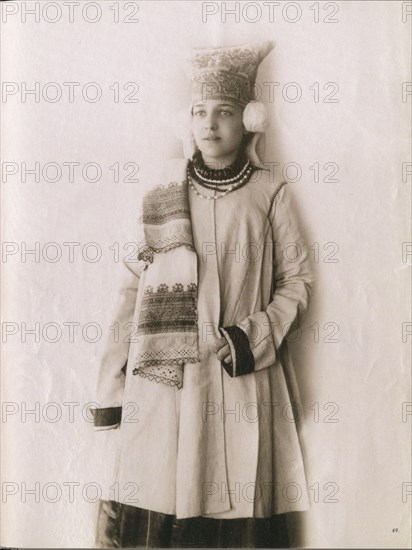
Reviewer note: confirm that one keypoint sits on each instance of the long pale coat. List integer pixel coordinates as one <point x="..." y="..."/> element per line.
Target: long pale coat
<point x="221" y="446"/>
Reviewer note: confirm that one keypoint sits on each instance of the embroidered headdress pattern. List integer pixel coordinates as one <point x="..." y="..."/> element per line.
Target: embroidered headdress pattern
<point x="227" y="73"/>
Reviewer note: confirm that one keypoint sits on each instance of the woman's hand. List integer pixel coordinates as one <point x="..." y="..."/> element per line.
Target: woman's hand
<point x="223" y="351"/>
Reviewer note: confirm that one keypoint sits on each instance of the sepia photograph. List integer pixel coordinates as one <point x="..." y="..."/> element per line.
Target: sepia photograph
<point x="206" y="286"/>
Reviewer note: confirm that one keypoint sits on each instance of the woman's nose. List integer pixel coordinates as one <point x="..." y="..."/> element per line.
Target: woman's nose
<point x="210" y="123"/>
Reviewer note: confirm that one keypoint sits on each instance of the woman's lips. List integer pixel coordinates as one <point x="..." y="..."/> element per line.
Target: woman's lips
<point x="211" y="139"/>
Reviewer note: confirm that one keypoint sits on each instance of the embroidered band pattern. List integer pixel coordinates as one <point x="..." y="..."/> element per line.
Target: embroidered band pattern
<point x="166" y="203"/>
<point x="168" y="310"/>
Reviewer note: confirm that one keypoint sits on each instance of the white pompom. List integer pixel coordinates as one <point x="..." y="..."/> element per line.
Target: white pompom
<point x="255" y="117"/>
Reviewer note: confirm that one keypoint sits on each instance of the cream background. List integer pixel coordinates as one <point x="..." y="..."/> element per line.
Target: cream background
<point x="367" y="453"/>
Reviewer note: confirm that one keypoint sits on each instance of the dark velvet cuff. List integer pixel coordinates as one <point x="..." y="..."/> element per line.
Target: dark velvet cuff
<point x="243" y="362"/>
<point x="107" y="417"/>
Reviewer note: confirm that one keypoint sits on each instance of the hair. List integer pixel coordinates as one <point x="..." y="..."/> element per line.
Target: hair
<point x="247" y="138"/>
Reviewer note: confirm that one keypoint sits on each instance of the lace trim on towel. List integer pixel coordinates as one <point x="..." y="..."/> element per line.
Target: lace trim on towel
<point x="170" y="375"/>
<point x="167" y="243"/>
<point x="165" y="362"/>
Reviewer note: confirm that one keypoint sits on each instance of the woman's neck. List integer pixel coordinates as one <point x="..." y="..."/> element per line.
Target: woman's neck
<point x="221" y="163"/>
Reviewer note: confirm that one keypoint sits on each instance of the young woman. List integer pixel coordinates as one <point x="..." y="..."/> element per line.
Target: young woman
<point x="214" y="295"/>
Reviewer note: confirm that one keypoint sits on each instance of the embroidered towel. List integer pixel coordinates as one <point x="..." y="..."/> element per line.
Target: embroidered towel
<point x="167" y="330"/>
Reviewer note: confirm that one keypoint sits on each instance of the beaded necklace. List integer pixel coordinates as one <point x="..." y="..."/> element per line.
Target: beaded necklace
<point x="235" y="176"/>
<point x="217" y="175"/>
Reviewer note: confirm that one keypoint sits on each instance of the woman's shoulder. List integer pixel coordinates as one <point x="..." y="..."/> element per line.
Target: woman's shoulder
<point x="267" y="182"/>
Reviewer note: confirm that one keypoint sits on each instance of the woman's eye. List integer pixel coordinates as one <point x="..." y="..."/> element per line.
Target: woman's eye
<point x="199" y="113"/>
<point x="226" y="113"/>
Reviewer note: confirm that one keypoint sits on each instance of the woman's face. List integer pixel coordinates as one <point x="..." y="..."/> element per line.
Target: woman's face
<point x="218" y="131"/>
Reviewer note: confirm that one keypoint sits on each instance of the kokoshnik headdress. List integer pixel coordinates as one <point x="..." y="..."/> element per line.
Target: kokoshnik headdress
<point x="228" y="74"/>
<point x="167" y="321"/>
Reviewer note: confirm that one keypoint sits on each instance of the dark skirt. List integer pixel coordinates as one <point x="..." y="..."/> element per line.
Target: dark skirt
<point x="125" y="526"/>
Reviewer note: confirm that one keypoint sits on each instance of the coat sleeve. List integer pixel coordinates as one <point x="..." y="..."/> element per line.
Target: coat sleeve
<point x="254" y="341"/>
<point x="112" y="370"/>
